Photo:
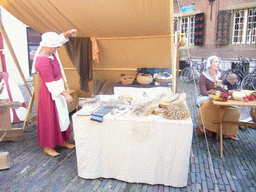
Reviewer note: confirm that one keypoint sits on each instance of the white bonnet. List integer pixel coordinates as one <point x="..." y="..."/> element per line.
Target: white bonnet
<point x="50" y="39"/>
<point x="209" y="61"/>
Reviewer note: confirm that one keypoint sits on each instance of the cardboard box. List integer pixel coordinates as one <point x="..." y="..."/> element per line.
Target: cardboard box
<point x="4" y="160"/>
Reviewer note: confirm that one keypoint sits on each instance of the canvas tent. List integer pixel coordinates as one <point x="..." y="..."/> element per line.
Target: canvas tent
<point x="130" y="34"/>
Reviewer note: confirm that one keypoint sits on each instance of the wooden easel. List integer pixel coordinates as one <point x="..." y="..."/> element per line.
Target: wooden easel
<point x="34" y="98"/>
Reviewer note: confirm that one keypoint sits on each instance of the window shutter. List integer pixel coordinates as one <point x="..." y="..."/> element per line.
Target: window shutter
<point x="223" y="27"/>
<point x="199" y="29"/>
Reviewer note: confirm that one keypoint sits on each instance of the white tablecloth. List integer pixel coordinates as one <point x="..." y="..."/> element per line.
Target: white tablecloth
<point x="151" y="91"/>
<point x="148" y="150"/>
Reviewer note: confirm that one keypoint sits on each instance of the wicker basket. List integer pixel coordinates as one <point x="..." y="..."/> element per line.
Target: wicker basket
<point x="127" y="79"/>
<point x="163" y="77"/>
<point x="144" y="79"/>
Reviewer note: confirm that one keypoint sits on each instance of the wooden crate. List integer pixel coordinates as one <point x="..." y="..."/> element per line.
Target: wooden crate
<point x="4" y="160"/>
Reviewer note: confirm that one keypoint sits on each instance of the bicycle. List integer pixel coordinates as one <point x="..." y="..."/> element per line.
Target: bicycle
<point x="192" y="72"/>
<point x="249" y="82"/>
<point x="239" y="70"/>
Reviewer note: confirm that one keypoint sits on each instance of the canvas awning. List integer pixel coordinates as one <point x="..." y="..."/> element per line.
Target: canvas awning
<point x="130" y="34"/>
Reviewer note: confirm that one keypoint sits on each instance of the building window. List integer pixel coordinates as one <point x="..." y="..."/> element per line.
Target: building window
<point x="34" y="39"/>
<point x="187" y="24"/>
<point x="244" y="28"/>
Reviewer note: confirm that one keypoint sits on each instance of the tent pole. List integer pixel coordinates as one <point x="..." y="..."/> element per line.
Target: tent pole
<point x="177" y="37"/>
<point x="13" y="54"/>
<point x="173" y="49"/>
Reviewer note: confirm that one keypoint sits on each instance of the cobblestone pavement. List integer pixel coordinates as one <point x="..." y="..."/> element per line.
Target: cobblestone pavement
<point x="32" y="170"/>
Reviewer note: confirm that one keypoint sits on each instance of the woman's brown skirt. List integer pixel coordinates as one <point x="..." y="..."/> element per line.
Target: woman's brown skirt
<point x="209" y="115"/>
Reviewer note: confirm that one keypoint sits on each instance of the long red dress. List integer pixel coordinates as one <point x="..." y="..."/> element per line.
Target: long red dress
<point x="48" y="125"/>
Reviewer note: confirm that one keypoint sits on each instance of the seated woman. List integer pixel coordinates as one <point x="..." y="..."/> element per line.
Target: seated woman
<point x="208" y="117"/>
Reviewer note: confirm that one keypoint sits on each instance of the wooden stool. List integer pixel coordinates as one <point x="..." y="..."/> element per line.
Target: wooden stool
<point x="6" y="131"/>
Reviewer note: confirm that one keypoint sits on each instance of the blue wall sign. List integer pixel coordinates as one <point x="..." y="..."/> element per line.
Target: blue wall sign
<point x="187" y="8"/>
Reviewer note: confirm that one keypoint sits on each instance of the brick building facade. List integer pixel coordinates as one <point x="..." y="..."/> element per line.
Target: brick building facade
<point x="226" y="28"/>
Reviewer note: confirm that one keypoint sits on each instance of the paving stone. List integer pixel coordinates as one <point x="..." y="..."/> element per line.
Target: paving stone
<point x="197" y="168"/>
<point x="161" y="188"/>
<point x="249" y="174"/>
<point x="99" y="189"/>
<point x="228" y="175"/>
<point x="189" y="179"/>
<point x="193" y="168"/>
<point x="221" y="187"/>
<point x="220" y="182"/>
<point x="144" y="188"/>
<point x="232" y="185"/>
<point x="248" y="183"/>
<point x="228" y="188"/>
<point x="96" y="185"/>
<point x="222" y="170"/>
<point x="123" y="185"/>
<point x="225" y="180"/>
<point x="244" y="165"/>
<point x="204" y="186"/>
<point x="217" y="173"/>
<point x="238" y="174"/>
<point x="104" y="182"/>
<point x="207" y="172"/>
<point x="243" y="185"/>
<point x="150" y="188"/>
<point x="166" y="189"/>
<point x="198" y="178"/>
<point x="88" y="189"/>
<point x="253" y="183"/>
<point x="193" y="177"/>
<point x="108" y="185"/>
<point x="210" y="183"/>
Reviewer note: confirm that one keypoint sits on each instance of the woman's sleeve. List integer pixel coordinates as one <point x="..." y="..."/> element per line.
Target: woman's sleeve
<point x="63" y="39"/>
<point x="202" y="86"/>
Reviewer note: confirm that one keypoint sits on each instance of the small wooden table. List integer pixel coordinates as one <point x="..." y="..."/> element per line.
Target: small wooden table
<point x="223" y="105"/>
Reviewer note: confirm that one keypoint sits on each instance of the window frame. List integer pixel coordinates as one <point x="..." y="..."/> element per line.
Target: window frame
<point x="190" y="28"/>
<point x="29" y="47"/>
<point x="244" y="29"/>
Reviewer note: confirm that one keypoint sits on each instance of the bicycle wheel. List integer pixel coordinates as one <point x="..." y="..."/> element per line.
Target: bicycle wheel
<point x="194" y="75"/>
<point x="247" y="83"/>
<point x="181" y="74"/>
<point x="186" y="77"/>
<point x="253" y="81"/>
<point x="225" y="74"/>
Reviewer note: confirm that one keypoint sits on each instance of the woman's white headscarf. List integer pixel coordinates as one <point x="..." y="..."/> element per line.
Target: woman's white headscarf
<point x="209" y="61"/>
<point x="49" y="39"/>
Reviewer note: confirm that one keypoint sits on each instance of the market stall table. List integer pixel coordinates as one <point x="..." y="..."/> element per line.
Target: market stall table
<point x="148" y="149"/>
<point x="223" y="106"/>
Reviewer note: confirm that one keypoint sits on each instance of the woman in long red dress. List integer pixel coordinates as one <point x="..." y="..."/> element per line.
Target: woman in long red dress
<point x="53" y="125"/>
